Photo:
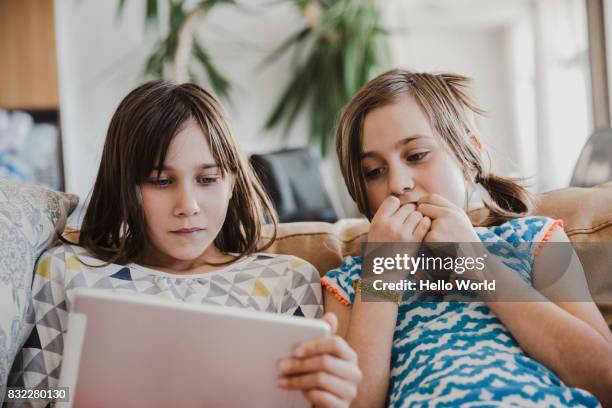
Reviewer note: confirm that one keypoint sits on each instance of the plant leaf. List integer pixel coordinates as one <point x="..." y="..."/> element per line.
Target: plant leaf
<point x="294" y="39"/>
<point x="120" y="8"/>
<point x="334" y="59"/>
<point x="151" y="12"/>
<point x="219" y="83"/>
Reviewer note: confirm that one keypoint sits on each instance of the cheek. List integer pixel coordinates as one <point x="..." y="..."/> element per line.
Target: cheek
<point x="376" y="194"/>
<point x="447" y="180"/>
<point x="214" y="202"/>
<point x="151" y="204"/>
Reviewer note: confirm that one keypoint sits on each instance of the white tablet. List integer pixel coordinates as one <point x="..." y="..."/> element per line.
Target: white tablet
<point x="141" y="351"/>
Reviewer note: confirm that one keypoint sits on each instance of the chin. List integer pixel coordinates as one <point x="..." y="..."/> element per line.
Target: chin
<point x="186" y="255"/>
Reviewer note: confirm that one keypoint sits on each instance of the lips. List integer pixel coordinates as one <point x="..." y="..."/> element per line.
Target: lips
<point x="187" y="230"/>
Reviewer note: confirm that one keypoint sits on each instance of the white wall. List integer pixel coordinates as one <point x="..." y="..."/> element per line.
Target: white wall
<point x="562" y="84"/>
<point x="528" y="62"/>
<point x="100" y="60"/>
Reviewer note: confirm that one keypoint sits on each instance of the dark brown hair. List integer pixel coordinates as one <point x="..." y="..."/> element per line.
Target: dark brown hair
<point x="444" y="99"/>
<point x="138" y="138"/>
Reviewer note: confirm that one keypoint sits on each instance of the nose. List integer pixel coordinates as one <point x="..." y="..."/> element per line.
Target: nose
<point x="186" y="204"/>
<point x="400" y="180"/>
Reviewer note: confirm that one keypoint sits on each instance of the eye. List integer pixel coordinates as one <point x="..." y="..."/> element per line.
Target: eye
<point x="207" y="179"/>
<point x="374" y="173"/>
<point x="417" y="156"/>
<point x="160" y="182"/>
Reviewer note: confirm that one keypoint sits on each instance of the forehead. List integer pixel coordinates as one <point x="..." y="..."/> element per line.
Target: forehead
<point x="388" y="124"/>
<point x="189" y="146"/>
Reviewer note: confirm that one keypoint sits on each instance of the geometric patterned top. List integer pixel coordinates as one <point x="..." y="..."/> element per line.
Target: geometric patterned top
<point x="265" y="282"/>
<point x="451" y="353"/>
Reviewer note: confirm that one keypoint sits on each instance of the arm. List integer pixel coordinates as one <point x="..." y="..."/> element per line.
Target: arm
<point x="368" y="328"/>
<point x="571" y="338"/>
<point x="343" y="312"/>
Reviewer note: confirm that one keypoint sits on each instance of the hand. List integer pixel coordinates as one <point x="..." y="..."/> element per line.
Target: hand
<point x="325" y="369"/>
<point x="449" y="222"/>
<point x="395" y="223"/>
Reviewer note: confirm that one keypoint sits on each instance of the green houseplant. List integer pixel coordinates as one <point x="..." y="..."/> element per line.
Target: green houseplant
<point x="171" y="55"/>
<point x="342" y="46"/>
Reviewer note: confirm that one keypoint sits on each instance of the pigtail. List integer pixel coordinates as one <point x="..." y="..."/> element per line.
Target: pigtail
<point x="508" y="198"/>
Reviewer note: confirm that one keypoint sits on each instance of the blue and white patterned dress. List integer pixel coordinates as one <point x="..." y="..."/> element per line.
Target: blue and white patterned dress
<point x="448" y="354"/>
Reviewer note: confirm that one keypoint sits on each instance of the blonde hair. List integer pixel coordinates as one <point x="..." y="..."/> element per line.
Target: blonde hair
<point x="444" y="99"/>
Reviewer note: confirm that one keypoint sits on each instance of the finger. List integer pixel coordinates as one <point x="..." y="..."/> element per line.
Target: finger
<point x="403" y="212"/>
<point x="324" y="399"/>
<point x="388" y="207"/>
<point x="422" y="228"/>
<point x="319" y="381"/>
<point x="433" y="211"/>
<point x="325" y="363"/>
<point x="334" y="345"/>
<point x="412" y="220"/>
<point x="435" y="199"/>
<point x="332" y="320"/>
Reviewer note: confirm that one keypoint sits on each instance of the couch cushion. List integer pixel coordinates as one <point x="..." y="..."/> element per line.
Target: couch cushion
<point x="586" y="212"/>
<point x="29" y="218"/>
<point x="320" y="243"/>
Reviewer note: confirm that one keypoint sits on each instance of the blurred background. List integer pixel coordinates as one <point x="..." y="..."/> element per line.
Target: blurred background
<point x="284" y="69"/>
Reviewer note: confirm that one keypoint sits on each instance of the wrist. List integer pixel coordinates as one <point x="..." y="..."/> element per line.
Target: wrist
<point x="365" y="286"/>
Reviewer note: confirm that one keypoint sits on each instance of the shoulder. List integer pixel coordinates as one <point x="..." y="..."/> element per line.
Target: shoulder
<point x="66" y="250"/>
<point x="525" y="229"/>
<point x="339" y="281"/>
<point x="350" y="265"/>
<point x="297" y="287"/>
<point x="537" y="228"/>
<point x="283" y="263"/>
<point x="67" y="258"/>
<point x="55" y="257"/>
<point x="267" y="258"/>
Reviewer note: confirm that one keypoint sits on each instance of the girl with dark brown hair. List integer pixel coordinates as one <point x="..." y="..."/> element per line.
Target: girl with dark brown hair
<point x="176" y="212"/>
<point x="412" y="161"/>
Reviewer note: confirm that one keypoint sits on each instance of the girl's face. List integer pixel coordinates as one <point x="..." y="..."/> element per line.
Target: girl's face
<point x="186" y="206"/>
<point x="402" y="157"/>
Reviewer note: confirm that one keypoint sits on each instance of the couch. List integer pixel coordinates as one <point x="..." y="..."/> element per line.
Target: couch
<point x="31" y="216"/>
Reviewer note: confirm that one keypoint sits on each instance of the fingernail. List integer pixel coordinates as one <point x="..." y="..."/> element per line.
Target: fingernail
<point x="283" y="365"/>
<point x="283" y="382"/>
<point x="299" y="351"/>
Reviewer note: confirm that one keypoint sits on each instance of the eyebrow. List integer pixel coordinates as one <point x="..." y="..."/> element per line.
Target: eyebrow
<point x="399" y="144"/>
<point x="204" y="166"/>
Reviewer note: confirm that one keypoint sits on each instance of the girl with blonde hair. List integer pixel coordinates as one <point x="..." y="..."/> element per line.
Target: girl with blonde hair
<point x="412" y="161"/>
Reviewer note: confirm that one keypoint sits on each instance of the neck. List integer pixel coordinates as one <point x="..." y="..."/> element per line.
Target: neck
<point x="207" y="262"/>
